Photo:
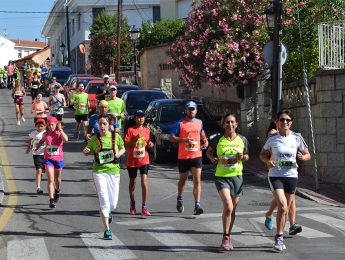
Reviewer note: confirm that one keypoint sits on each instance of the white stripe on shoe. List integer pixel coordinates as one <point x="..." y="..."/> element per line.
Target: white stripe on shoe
<point x="176" y="241"/>
<point x="102" y="249"/>
<point x="27" y="249"/>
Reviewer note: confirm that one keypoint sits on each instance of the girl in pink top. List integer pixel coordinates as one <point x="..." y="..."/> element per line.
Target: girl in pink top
<point x="39" y="108"/>
<point x="54" y="138"/>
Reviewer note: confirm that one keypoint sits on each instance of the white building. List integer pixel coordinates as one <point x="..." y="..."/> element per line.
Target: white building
<point x="81" y="13"/>
<point x="6" y="51"/>
<point x="24" y="48"/>
<point x="175" y="9"/>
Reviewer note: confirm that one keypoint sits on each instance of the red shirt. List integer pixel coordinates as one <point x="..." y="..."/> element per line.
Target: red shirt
<point x="193" y="130"/>
<point x="137" y="154"/>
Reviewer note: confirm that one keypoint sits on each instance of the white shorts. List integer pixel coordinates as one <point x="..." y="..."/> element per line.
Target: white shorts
<point x="107" y="187"/>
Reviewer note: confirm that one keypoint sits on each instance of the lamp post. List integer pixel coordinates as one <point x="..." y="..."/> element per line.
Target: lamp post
<point x="134" y="34"/>
<point x="62" y="48"/>
<point x="274" y="21"/>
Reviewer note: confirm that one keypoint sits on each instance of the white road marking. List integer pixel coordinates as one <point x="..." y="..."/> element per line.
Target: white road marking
<point x="306" y="231"/>
<point x="327" y="220"/>
<point x="102" y="249"/>
<point x="27" y="249"/>
<point x="241" y="235"/>
<point x="175" y="241"/>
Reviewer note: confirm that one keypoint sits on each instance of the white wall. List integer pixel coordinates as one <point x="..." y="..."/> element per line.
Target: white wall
<point x="183" y="8"/>
<point x="6" y="51"/>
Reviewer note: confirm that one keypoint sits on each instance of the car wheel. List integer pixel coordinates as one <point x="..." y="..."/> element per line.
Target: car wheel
<point x="157" y="153"/>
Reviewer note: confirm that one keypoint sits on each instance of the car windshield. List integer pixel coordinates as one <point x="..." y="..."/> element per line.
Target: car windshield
<point x="61" y="75"/>
<point x="84" y="81"/>
<point x="92" y="89"/>
<point x="141" y="100"/>
<point x="175" y="112"/>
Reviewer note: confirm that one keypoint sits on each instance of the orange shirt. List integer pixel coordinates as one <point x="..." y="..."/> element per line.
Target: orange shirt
<point x="137" y="154"/>
<point x="191" y="129"/>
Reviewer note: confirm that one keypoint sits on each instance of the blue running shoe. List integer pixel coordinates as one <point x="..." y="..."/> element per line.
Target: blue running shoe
<point x="294" y="229"/>
<point x="110" y="217"/>
<point x="107" y="234"/>
<point x="269" y="223"/>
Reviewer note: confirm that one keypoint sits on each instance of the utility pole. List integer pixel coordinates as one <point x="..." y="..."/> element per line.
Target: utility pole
<point x="119" y="28"/>
<point x="68" y="40"/>
<point x="277" y="63"/>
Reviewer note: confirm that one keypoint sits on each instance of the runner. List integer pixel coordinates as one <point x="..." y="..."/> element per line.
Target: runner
<point x="136" y="141"/>
<point x="107" y="148"/>
<point x="30" y="74"/>
<point x="18" y="95"/>
<point x="283" y="175"/>
<point x="39" y="108"/>
<point x="52" y="86"/>
<point x="188" y="133"/>
<point x="229" y="151"/>
<point x="34" y="86"/>
<point x="2" y="83"/>
<point x="34" y="138"/>
<point x="116" y="105"/>
<point x="103" y="90"/>
<point x="10" y="72"/>
<point x="80" y="100"/>
<point x="56" y="103"/>
<point x="53" y="138"/>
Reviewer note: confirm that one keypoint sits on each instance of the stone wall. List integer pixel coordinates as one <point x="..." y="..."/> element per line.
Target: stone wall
<point x="327" y="98"/>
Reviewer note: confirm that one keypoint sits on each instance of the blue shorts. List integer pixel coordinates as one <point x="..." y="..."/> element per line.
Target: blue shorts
<point x="57" y="165"/>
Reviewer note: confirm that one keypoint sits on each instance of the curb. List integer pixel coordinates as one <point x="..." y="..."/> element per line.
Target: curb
<point x="2" y="187"/>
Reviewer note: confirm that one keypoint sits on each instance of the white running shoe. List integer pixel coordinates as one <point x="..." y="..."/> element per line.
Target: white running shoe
<point x="279" y="244"/>
<point x="23" y="118"/>
<point x="18" y="122"/>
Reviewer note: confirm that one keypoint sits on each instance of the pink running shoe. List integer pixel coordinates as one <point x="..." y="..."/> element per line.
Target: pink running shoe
<point x="132" y="210"/>
<point x="226" y="243"/>
<point x="145" y="212"/>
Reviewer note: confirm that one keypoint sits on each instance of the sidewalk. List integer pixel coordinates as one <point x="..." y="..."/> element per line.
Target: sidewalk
<point x="327" y="194"/>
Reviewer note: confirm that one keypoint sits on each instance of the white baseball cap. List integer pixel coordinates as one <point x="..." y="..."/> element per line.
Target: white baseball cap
<point x="106" y="76"/>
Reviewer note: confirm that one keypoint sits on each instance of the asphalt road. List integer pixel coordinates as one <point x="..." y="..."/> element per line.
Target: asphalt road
<point x="29" y="229"/>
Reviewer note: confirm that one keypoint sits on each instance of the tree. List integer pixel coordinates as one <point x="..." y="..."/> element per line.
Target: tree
<point x="222" y="43"/>
<point x="104" y="43"/>
<point x="164" y="31"/>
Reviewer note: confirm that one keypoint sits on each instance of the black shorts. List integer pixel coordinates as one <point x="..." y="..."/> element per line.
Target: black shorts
<point x="287" y="184"/>
<point x="80" y="118"/>
<point x="185" y="165"/>
<point x="234" y="184"/>
<point x="133" y="171"/>
<point x="58" y="117"/>
<point x="39" y="161"/>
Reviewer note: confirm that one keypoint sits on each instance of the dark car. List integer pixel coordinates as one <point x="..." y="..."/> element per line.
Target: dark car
<point x="162" y="117"/>
<point x="61" y="74"/>
<point x="139" y="99"/>
<point x="122" y="88"/>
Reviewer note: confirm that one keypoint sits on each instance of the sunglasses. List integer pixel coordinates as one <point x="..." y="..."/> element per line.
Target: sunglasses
<point x="285" y="119"/>
<point x="113" y="89"/>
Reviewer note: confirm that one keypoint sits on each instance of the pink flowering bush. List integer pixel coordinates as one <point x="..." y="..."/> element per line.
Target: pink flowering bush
<point x="222" y="44"/>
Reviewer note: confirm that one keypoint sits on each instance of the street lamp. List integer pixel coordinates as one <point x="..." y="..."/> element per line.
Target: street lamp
<point x="273" y="15"/>
<point x="62" y="48"/>
<point x="134" y="35"/>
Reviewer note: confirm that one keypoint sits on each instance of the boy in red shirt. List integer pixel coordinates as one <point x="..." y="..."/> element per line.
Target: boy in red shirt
<point x="136" y="141"/>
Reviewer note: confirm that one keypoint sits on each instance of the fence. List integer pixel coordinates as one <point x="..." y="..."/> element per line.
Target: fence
<point x="332" y="45"/>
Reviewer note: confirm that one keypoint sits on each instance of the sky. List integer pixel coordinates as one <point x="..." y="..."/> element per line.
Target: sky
<point x="21" y="25"/>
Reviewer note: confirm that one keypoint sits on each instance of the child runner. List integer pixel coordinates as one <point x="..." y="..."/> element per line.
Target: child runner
<point x="54" y="138"/>
<point x="107" y="148"/>
<point x="34" y="138"/>
<point x="136" y="140"/>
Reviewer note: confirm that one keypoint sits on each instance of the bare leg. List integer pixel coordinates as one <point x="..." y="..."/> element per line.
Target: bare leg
<point x="273" y="205"/>
<point x="227" y="210"/>
<point x="235" y="201"/>
<point x="131" y="188"/>
<point x="196" y="172"/>
<point x="57" y="179"/>
<point x="279" y="196"/>
<point x="292" y="211"/>
<point x="144" y="188"/>
<point x="182" y="183"/>
<point x="50" y="181"/>
<point x="38" y="177"/>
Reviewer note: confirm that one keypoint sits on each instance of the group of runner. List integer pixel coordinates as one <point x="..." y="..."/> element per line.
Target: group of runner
<point x="102" y="133"/>
<point x="8" y="75"/>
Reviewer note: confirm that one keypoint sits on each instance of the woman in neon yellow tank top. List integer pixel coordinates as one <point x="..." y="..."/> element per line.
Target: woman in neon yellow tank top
<point x="228" y="151"/>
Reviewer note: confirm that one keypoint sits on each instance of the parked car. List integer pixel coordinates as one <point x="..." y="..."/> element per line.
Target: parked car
<point x="91" y="88"/>
<point x="162" y="117"/>
<point x="122" y="88"/>
<point x="139" y="99"/>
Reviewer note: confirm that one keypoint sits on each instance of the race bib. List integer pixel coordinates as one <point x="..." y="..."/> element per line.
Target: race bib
<point x="82" y="106"/>
<point x="34" y="86"/>
<point x="58" y="111"/>
<point x="39" y="113"/>
<point x="106" y="156"/>
<point x="229" y="161"/>
<point x="52" y="150"/>
<point x="285" y="164"/>
<point x="192" y="146"/>
<point x="139" y="152"/>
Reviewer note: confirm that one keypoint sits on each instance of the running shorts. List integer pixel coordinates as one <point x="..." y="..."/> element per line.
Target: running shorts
<point x="185" y="165"/>
<point x="133" y="171"/>
<point x="288" y="184"/>
<point x="234" y="184"/>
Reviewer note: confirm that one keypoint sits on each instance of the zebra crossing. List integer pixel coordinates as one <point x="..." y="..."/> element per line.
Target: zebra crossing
<point x="247" y="232"/>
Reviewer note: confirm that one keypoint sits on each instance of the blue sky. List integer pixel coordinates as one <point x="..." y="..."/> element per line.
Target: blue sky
<point x="24" y="26"/>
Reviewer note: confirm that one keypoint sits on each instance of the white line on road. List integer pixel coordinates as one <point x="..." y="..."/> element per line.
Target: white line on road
<point x="102" y="249"/>
<point x="175" y="240"/>
<point x="27" y="249"/>
<point x="327" y="220"/>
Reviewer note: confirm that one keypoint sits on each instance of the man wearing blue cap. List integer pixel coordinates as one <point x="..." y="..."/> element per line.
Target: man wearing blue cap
<point x="188" y="134"/>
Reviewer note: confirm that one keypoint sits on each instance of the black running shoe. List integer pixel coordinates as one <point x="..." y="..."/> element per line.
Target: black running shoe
<point x="52" y="204"/>
<point x="56" y="196"/>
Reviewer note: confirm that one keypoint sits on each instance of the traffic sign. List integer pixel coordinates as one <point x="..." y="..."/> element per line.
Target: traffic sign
<point x="268" y="53"/>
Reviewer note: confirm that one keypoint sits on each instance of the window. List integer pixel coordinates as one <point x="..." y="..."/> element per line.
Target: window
<point x="19" y="54"/>
<point x="156" y="13"/>
<point x="97" y="11"/>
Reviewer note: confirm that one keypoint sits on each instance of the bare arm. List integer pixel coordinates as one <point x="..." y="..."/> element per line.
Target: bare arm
<point x="209" y="154"/>
<point x="304" y="155"/>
